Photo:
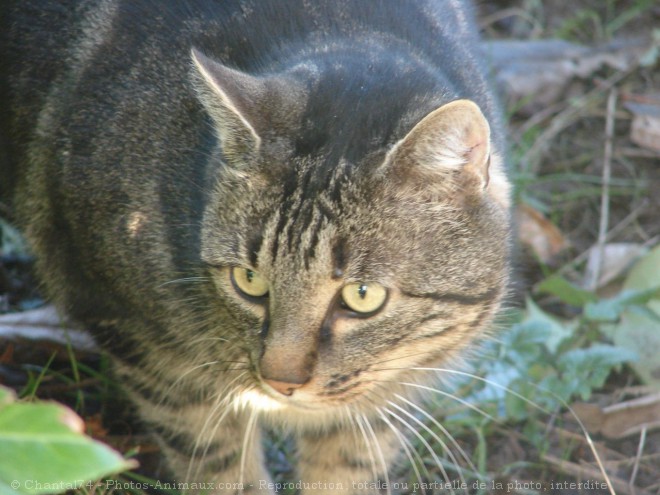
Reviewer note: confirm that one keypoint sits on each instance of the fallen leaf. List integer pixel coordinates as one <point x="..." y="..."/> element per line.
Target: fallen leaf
<point x="645" y="127"/>
<point x="7" y="355"/>
<point x="623" y="419"/>
<point x="615" y="259"/>
<point x="94" y="427"/>
<point x="539" y="234"/>
<point x="539" y="73"/>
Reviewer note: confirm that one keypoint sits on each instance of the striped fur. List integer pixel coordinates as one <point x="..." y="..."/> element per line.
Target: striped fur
<point x="153" y="149"/>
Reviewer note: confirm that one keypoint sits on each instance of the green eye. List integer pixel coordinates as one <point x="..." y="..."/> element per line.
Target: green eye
<point x="249" y="282"/>
<point x="364" y="298"/>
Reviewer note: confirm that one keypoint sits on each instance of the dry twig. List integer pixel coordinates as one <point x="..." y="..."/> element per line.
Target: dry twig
<point x="594" y="268"/>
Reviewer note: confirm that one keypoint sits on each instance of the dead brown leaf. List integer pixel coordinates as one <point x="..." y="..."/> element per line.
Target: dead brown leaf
<point x="622" y="419"/>
<point x="539" y="234"/>
<point x="645" y="128"/>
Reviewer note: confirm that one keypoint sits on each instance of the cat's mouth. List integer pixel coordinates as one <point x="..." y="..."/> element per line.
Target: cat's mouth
<point x="310" y="390"/>
<point x="268" y="394"/>
<point x="268" y="400"/>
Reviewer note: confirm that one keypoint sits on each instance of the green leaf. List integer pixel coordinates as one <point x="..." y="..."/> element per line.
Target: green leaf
<point x="523" y="341"/>
<point x="561" y="390"/>
<point x="639" y="328"/>
<point x="554" y="330"/>
<point x="11" y="241"/>
<point x="516" y="407"/>
<point x="557" y="285"/>
<point x="609" y="310"/>
<point x="43" y="449"/>
<point x="651" y="56"/>
<point x="644" y="311"/>
<point x="583" y="370"/>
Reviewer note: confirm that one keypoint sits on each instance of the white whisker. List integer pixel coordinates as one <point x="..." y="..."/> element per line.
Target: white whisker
<point x="207" y="339"/>
<point x="437" y="424"/>
<point x="454" y="462"/>
<point x="379" y="451"/>
<point x="587" y="436"/>
<point x="221" y="401"/>
<point x="453" y="397"/>
<point x="181" y="377"/>
<point x="494" y="384"/>
<point x="186" y="279"/>
<point x="249" y="430"/>
<point x="189" y="472"/>
<point x="367" y="442"/>
<point x="424" y="442"/>
<point x="350" y="420"/>
<point x="408" y="449"/>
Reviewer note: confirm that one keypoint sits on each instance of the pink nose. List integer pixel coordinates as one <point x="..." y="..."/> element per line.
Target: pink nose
<point x="285" y="388"/>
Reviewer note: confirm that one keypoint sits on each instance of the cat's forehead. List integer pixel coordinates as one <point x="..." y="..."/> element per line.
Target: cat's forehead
<point x="353" y="229"/>
<point x="342" y="114"/>
<point x="304" y="225"/>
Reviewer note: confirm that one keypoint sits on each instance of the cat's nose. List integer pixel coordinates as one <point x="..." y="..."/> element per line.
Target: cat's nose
<point x="286" y="367"/>
<point x="285" y="388"/>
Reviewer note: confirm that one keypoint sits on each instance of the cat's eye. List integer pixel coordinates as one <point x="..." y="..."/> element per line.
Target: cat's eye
<point x="364" y="298"/>
<point x="249" y="282"/>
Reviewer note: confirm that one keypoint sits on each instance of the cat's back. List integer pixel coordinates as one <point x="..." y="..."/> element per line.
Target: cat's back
<point x="117" y="73"/>
<point x="81" y="43"/>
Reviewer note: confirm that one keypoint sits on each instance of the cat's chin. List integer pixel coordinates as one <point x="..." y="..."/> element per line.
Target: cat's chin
<point x="289" y="412"/>
<point x="266" y="402"/>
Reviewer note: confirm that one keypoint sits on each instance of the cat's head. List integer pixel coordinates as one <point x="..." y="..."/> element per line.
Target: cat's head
<point x="343" y="269"/>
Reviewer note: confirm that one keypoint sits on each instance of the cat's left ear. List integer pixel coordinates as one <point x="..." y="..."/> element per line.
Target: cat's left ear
<point x="449" y="150"/>
<point x="230" y="98"/>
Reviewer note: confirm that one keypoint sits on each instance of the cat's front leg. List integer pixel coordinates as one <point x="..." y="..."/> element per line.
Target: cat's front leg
<point x="210" y="450"/>
<point x="348" y="459"/>
<point x="226" y="459"/>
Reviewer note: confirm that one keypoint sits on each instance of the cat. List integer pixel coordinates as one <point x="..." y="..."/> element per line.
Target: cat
<point x="271" y="214"/>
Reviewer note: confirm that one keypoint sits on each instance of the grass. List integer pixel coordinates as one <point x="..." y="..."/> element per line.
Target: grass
<point x="604" y="22"/>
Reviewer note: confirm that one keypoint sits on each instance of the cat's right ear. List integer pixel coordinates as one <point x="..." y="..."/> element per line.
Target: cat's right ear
<point x="228" y="96"/>
<point x="449" y="153"/>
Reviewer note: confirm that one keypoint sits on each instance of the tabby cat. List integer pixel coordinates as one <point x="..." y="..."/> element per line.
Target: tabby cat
<point x="270" y="213"/>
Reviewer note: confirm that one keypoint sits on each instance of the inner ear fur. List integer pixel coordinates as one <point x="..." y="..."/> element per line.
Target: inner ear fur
<point x="449" y="148"/>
